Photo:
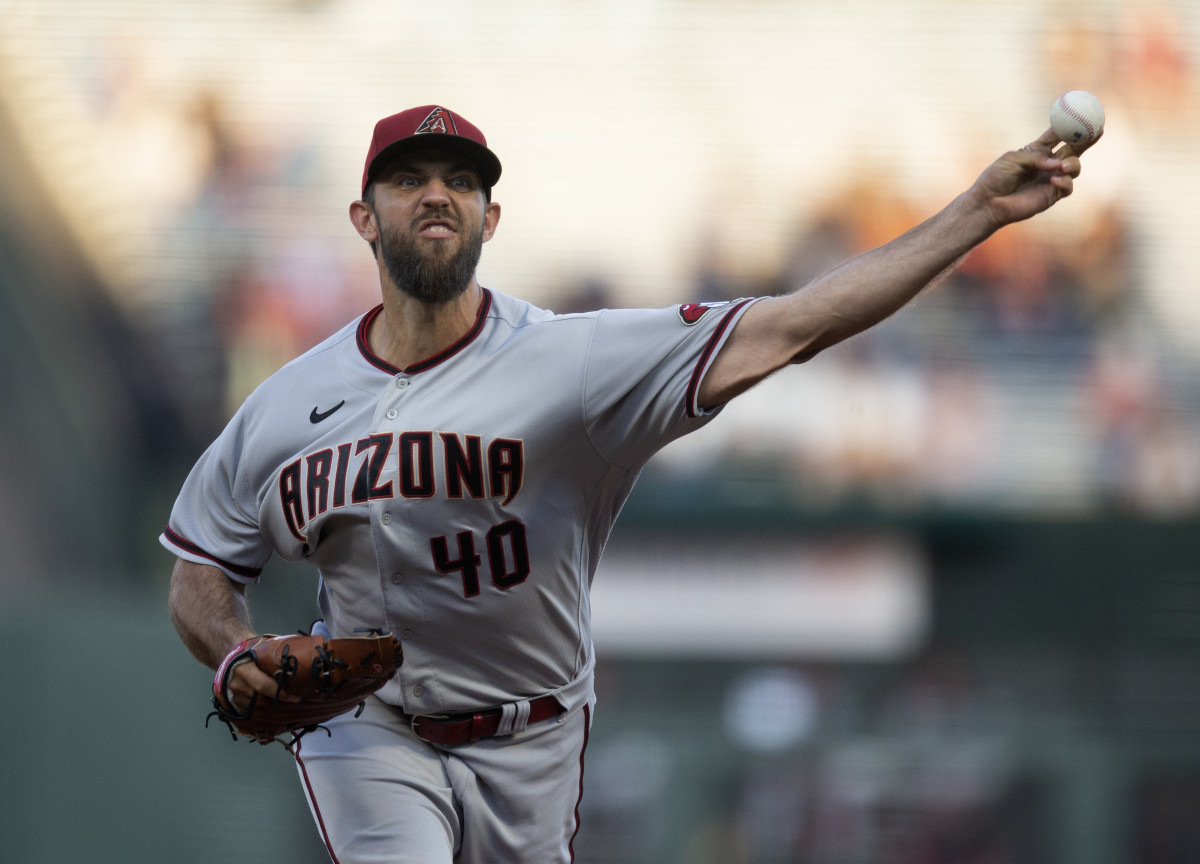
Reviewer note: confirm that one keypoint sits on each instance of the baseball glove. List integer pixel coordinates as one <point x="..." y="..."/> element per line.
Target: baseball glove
<point x="327" y="676"/>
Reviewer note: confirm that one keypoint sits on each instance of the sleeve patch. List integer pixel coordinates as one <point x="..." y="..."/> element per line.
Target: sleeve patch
<point x="691" y="313"/>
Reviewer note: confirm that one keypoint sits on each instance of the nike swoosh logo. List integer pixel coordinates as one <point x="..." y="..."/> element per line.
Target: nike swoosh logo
<point x="318" y="416"/>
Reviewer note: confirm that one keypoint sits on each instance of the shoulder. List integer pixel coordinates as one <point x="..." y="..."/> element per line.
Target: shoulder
<point x="683" y="320"/>
<point x="518" y="313"/>
<point x="326" y="350"/>
<point x="514" y="322"/>
<point x="622" y="328"/>
<point x="332" y="373"/>
<point x="521" y="313"/>
<point x="324" y="361"/>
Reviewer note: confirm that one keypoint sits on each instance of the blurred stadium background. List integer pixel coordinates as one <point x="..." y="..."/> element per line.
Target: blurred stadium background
<point x="932" y="598"/>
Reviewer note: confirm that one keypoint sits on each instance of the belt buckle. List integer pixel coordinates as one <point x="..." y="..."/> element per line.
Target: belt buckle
<point x="416" y="718"/>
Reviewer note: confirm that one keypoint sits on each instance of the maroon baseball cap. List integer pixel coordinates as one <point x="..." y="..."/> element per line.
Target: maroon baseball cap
<point x="430" y="126"/>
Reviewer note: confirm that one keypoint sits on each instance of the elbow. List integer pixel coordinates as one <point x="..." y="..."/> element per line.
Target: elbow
<point x="810" y="348"/>
<point x="839" y="328"/>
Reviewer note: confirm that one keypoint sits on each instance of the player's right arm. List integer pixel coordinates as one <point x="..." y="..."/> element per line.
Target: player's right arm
<point x="778" y="331"/>
<point x="210" y="614"/>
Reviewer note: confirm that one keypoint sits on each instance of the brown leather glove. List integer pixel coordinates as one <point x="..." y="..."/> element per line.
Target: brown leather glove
<point x="326" y="676"/>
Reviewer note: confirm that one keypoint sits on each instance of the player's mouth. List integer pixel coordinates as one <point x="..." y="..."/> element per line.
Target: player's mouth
<point x="436" y="228"/>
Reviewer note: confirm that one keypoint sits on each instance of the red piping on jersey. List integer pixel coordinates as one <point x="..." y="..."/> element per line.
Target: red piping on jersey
<point x="587" y="728"/>
<point x="709" y="348"/>
<point x="312" y="798"/>
<point x="375" y="360"/>
<point x="320" y="820"/>
<point x="248" y="572"/>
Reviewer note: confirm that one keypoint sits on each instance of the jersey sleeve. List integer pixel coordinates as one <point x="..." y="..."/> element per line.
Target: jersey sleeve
<point x="213" y="521"/>
<point x="643" y="374"/>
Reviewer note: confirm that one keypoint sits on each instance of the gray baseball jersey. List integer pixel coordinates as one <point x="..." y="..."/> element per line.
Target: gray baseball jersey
<point x="463" y="502"/>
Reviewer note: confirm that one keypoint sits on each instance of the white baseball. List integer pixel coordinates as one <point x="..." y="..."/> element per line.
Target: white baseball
<point x="1077" y="117"/>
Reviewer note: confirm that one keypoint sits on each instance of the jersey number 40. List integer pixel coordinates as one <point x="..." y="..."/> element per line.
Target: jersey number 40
<point x="507" y="552"/>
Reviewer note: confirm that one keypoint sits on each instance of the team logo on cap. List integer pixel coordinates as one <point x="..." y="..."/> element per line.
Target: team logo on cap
<point x="440" y="121"/>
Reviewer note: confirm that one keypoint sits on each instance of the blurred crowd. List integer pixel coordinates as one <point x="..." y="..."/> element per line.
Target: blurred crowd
<point x="1029" y="377"/>
<point x="1035" y="376"/>
<point x="1044" y="375"/>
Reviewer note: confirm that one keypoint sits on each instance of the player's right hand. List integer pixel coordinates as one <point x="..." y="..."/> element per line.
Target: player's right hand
<point x="1024" y="182"/>
<point x="244" y="680"/>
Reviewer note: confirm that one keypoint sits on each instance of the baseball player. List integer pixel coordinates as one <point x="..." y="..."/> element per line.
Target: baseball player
<point x="452" y="463"/>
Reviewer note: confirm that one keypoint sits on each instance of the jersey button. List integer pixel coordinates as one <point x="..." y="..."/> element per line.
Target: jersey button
<point x="402" y="383"/>
<point x="397" y="578"/>
<point x="392" y="413"/>
<point x="418" y="691"/>
<point x="386" y="518"/>
<point x="406" y="634"/>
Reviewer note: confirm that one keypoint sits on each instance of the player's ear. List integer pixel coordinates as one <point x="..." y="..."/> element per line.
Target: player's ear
<point x="363" y="219"/>
<point x="491" y="218"/>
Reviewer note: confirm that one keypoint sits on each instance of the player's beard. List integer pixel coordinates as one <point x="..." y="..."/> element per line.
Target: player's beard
<point x="436" y="276"/>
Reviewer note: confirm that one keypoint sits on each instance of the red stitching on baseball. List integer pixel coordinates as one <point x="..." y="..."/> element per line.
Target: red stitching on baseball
<point x="1066" y="107"/>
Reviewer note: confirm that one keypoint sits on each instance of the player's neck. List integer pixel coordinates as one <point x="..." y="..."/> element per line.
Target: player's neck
<point x="409" y="330"/>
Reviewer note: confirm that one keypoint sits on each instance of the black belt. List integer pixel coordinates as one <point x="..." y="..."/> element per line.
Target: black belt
<point x="460" y="728"/>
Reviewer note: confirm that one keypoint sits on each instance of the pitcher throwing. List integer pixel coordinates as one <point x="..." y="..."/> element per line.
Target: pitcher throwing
<point x="452" y="463"/>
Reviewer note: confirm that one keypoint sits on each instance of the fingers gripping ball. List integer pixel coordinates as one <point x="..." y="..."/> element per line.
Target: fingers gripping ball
<point x="1077" y="117"/>
<point x="317" y="678"/>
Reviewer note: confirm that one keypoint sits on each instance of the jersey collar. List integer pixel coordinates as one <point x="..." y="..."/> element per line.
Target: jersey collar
<point x="378" y="362"/>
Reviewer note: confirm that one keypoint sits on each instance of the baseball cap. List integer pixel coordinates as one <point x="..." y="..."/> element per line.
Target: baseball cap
<point x="430" y="126"/>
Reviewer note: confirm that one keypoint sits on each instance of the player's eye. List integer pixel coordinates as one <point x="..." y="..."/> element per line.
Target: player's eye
<point x="462" y="184"/>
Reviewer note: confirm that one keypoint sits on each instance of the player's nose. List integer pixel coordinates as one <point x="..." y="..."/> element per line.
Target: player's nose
<point x="435" y="193"/>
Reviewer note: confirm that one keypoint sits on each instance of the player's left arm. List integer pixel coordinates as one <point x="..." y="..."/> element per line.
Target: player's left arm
<point x="777" y="331"/>
<point x="210" y="613"/>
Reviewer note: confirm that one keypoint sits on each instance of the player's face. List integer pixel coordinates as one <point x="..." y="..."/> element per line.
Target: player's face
<point x="431" y="214"/>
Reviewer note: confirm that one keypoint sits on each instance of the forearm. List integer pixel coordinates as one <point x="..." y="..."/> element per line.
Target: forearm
<point x="872" y="286"/>
<point x="209" y="611"/>
<point x="851" y="298"/>
<point x="867" y="289"/>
